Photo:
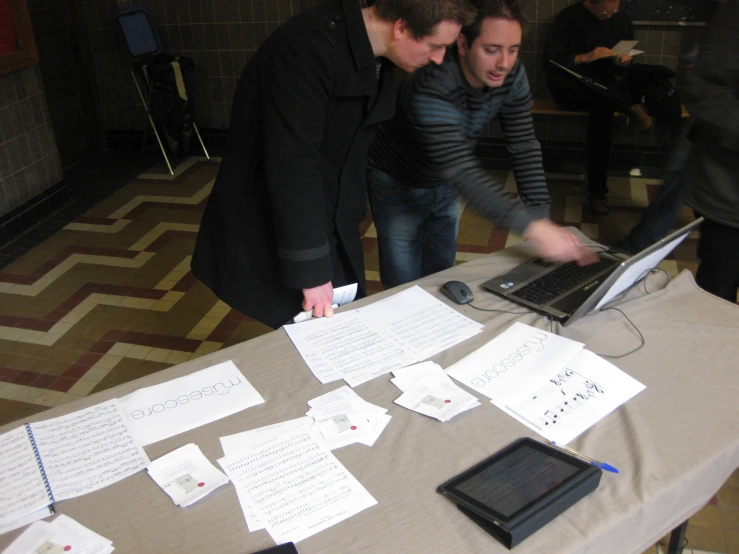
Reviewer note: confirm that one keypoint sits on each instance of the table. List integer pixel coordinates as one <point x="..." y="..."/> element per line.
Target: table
<point x="675" y="443"/>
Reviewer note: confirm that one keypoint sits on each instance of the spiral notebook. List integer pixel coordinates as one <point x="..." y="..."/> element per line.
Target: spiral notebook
<point x="65" y="457"/>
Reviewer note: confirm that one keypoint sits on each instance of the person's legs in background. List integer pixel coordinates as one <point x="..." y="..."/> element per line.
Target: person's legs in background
<point x="440" y="231"/>
<point x="599" y="137"/>
<point x="718" y="272"/>
<point x="661" y="214"/>
<point x="399" y="212"/>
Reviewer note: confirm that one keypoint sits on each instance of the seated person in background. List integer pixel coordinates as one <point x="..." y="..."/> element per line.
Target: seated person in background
<point x="581" y="40"/>
<point x="423" y="158"/>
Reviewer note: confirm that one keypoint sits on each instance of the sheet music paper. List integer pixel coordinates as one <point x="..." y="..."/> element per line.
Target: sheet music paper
<point x="296" y="485"/>
<point x="377" y="339"/>
<point x="27" y="520"/>
<point x="518" y="355"/>
<point x="421" y="323"/>
<point x="87" y="450"/>
<point x="168" y="409"/>
<point x="240" y="442"/>
<point x="22" y="489"/>
<point x="572" y="399"/>
<point x="350" y="347"/>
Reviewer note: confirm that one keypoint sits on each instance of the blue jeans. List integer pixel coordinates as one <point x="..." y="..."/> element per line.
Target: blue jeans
<point x="416" y="227"/>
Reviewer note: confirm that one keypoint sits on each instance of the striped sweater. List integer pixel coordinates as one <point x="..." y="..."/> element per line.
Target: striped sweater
<point x="432" y="139"/>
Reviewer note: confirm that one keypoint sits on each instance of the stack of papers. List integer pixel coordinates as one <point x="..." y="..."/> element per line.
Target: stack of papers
<point x="362" y="344"/>
<point x="186" y="475"/>
<point x="293" y="486"/>
<point x="344" y="418"/>
<point x="549" y="383"/>
<point x="59" y="536"/>
<point x="429" y="391"/>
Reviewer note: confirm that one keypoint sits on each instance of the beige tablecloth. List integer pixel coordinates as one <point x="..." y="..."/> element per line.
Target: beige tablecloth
<point x="675" y="443"/>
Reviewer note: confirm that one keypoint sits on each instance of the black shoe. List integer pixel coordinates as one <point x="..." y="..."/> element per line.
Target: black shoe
<point x="598" y="204"/>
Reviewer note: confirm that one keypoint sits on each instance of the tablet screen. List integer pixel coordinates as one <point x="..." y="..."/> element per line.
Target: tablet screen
<point x="511" y="483"/>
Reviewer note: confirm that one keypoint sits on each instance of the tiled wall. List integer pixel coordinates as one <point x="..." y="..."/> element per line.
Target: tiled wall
<point x="29" y="161"/>
<point x="220" y="35"/>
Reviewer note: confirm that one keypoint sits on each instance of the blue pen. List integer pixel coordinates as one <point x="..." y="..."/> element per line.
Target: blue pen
<point x="577" y="454"/>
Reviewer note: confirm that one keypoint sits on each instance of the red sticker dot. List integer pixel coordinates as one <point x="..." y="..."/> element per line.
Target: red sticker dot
<point x="447" y="401"/>
<point x="67" y="548"/>
<point x="354" y="427"/>
<point x="201" y="484"/>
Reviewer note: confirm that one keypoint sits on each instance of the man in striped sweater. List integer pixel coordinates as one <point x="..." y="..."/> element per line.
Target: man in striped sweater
<point x="421" y="160"/>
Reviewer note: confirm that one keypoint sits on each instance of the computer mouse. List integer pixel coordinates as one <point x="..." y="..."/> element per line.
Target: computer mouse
<point x="458" y="292"/>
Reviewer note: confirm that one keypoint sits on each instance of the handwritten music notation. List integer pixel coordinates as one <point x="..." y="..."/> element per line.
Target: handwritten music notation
<point x="571" y="399"/>
<point x="565" y="392"/>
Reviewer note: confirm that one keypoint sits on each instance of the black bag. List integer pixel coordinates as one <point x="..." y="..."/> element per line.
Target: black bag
<point x="170" y="101"/>
<point x="651" y="87"/>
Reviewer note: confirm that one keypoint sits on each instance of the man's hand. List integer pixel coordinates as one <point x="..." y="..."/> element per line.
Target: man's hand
<point x="595" y="54"/>
<point x="557" y="245"/>
<point x="622" y="60"/>
<point x="319" y="300"/>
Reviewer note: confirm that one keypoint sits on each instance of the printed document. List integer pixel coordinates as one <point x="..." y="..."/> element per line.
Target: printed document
<point x="296" y="486"/>
<point x="59" y="537"/>
<point x="186" y="475"/>
<point x="360" y="345"/>
<point x="518" y="356"/>
<point x="572" y="399"/>
<point x="241" y="442"/>
<point x="162" y="411"/>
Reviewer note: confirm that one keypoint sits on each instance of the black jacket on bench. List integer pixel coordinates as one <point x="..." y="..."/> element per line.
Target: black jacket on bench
<point x="291" y="191"/>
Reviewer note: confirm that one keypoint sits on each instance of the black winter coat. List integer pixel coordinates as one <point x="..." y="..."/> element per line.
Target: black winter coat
<point x="291" y="190"/>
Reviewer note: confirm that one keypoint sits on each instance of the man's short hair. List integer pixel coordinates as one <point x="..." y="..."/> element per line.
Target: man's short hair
<point x="511" y="10"/>
<point x="422" y="16"/>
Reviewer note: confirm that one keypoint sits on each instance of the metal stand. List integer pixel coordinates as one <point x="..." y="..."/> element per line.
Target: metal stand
<point x="145" y="102"/>
<point x="677" y="539"/>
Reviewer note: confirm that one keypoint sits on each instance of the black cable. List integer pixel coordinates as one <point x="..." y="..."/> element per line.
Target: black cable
<point x="641" y="337"/>
<point x="657" y="270"/>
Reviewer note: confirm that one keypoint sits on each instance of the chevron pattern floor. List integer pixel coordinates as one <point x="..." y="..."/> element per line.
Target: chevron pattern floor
<point x="110" y="297"/>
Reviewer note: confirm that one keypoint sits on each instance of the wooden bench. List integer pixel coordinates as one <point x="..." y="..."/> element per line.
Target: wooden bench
<point x="543" y="106"/>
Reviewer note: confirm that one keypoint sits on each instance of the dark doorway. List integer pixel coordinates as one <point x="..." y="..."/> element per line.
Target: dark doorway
<point x="64" y="73"/>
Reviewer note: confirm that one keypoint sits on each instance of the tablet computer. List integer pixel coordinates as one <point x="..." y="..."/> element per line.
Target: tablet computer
<point x="522" y="487"/>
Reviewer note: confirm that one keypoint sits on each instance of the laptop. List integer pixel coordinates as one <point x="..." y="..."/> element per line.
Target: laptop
<point x="566" y="292"/>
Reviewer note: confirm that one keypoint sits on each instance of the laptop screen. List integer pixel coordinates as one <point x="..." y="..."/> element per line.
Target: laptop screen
<point x="639" y="269"/>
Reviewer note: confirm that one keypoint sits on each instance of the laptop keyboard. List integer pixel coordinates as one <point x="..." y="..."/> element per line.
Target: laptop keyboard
<point x="561" y="280"/>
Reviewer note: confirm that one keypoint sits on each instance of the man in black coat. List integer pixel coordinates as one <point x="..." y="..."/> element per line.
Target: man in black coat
<point x="281" y="227"/>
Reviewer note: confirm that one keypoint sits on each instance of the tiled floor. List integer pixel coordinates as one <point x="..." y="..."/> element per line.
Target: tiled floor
<point x="102" y="293"/>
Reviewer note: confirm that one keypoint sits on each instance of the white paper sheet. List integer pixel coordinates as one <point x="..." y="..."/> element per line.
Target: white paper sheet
<point x="342" y="295"/>
<point x="436" y="401"/>
<point x="572" y="399"/>
<point x="507" y="363"/>
<point x="296" y="486"/>
<point x="22" y="489"/>
<point x="162" y="411"/>
<point x="372" y="341"/>
<point x="26" y="520"/>
<point x="624" y="46"/>
<point x="51" y="538"/>
<point x="87" y="450"/>
<point x="241" y="442"/>
<point x="350" y="347"/>
<point x="186" y="475"/>
<point x="421" y="323"/>
<point x="66" y="522"/>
